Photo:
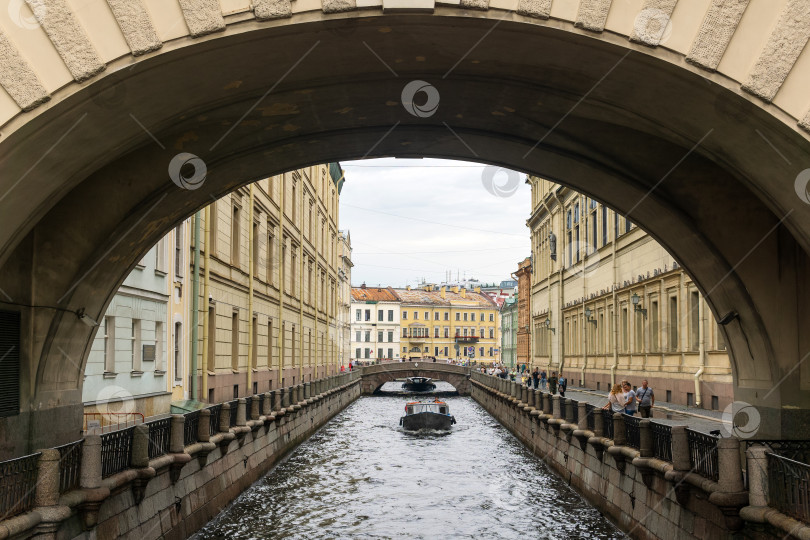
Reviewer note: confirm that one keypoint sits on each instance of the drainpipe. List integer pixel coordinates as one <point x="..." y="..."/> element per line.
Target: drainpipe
<point x="206" y="278"/>
<point x="281" y="263"/>
<point x="561" y="282"/>
<point x="585" y="322"/>
<point x="195" y="302"/>
<point x="615" y="313"/>
<point x="251" y="256"/>
<point x="701" y="351"/>
<point x="301" y="285"/>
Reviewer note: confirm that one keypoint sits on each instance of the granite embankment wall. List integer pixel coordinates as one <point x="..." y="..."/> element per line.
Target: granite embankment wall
<point x="647" y="497"/>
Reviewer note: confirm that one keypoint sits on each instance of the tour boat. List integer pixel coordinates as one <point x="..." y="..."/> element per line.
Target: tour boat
<point x="418" y="384"/>
<point x="427" y="415"/>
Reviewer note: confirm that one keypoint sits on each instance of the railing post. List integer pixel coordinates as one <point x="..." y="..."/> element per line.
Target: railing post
<point x="555" y="406"/>
<point x="645" y="438"/>
<point x="285" y="398"/>
<point x="204" y="426"/>
<point x="275" y="397"/>
<point x="569" y="410"/>
<point x="680" y="449"/>
<point x="582" y="422"/>
<point x="598" y="423"/>
<point x="619" y="434"/>
<point x="307" y="390"/>
<point x="225" y="418"/>
<point x="267" y="403"/>
<point x="47" y="486"/>
<point x="757" y="475"/>
<point x="90" y="474"/>
<point x="176" y="434"/>
<point x="241" y="410"/>
<point x="140" y="446"/>
<point x="547" y="407"/>
<point x="254" y="407"/>
<point x="729" y="465"/>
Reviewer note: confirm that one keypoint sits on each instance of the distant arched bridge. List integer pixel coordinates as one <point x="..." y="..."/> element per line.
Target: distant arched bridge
<point x="376" y="376"/>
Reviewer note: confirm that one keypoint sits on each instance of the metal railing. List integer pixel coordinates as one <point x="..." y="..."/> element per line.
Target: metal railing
<point x="261" y="404"/>
<point x="18" y="480"/>
<point x="116" y="451"/>
<point x="590" y="411"/>
<point x="213" y="426"/>
<point x="789" y="487"/>
<point x="248" y="406"/>
<point x="575" y="410"/>
<point x="797" y="450"/>
<point x="661" y="441"/>
<point x="111" y="421"/>
<point x="703" y="454"/>
<point x="632" y="431"/>
<point x="607" y="415"/>
<point x="70" y="460"/>
<point x="234" y="410"/>
<point x="160" y="432"/>
<point x="191" y="428"/>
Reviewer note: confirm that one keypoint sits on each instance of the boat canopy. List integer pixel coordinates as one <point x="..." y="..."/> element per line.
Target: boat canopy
<point x="416" y="408"/>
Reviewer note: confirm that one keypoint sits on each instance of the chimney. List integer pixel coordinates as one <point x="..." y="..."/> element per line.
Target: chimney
<point x="443" y="292"/>
<point x="363" y="286"/>
<point x="478" y="289"/>
<point x="455" y="289"/>
<point x="463" y="292"/>
<point x="407" y="287"/>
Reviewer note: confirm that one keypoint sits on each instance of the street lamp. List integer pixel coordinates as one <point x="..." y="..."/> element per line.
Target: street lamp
<point x="547" y="325"/>
<point x="588" y="317"/>
<point x="636" y="299"/>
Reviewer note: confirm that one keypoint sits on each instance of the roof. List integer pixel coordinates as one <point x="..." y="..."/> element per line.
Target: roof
<point x="434" y="298"/>
<point x="374" y="294"/>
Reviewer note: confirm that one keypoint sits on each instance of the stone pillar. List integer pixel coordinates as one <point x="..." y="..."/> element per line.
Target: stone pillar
<point x="582" y="409"/>
<point x="757" y="475"/>
<point x="268" y="406"/>
<point x="176" y="437"/>
<point x="299" y="391"/>
<point x="619" y="434"/>
<point x="47" y="486"/>
<point x="285" y="397"/>
<point x="241" y="412"/>
<point x="90" y="474"/>
<point x="140" y="447"/>
<point x="547" y="407"/>
<point x="204" y="427"/>
<point x="225" y="418"/>
<point x="645" y="438"/>
<point x="555" y="406"/>
<point x="254" y="407"/>
<point x="275" y="397"/>
<point x="729" y="465"/>
<point x="538" y="399"/>
<point x="680" y="449"/>
<point x="598" y="423"/>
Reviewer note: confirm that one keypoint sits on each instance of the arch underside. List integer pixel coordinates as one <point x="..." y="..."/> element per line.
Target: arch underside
<point x="680" y="154"/>
<point x="457" y="380"/>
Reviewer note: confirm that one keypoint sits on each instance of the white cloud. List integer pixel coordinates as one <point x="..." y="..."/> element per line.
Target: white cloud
<point x="414" y="218"/>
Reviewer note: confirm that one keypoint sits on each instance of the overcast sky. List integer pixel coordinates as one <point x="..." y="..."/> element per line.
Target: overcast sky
<point x="415" y="218"/>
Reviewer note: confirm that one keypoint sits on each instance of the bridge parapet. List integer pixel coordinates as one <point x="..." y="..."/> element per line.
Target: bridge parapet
<point x="373" y="377"/>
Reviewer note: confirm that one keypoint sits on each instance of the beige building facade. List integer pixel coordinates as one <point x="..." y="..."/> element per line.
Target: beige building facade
<point x="609" y="303"/>
<point x="270" y="294"/>
<point x="344" y="322"/>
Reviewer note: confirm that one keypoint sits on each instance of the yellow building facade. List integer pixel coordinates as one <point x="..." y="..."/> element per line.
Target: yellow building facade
<point x="269" y="297"/>
<point x="609" y="303"/>
<point x="446" y="323"/>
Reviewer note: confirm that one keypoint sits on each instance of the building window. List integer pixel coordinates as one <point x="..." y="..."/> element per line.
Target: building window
<point x="293" y="268"/>
<point x="673" y="323"/>
<point x="625" y="331"/>
<point x="178" y="252"/>
<point x="379" y="353"/>
<point x="357" y="335"/>
<point x="160" y="256"/>
<point x="136" y="345"/>
<point x="639" y="332"/>
<point x="491" y="317"/>
<point x="427" y="316"/>
<point x="235" y="341"/>
<point x="357" y="353"/>
<point x="491" y="333"/>
<point x="177" y="339"/>
<point x="358" y="315"/>
<point x="416" y="315"/>
<point x="604" y="226"/>
<point x="458" y="316"/>
<point x="404" y="315"/>
<point x="465" y="317"/>
<point x="390" y="315"/>
<point x="655" y="331"/>
<point x="446" y="315"/>
<point x="235" y="235"/>
<point x="368" y="314"/>
<point x="367" y="353"/>
<point x="158" y="346"/>
<point x="109" y="344"/>
<point x="436" y="332"/>
<point x="271" y="248"/>
<point x="368" y="336"/>
<point x="390" y="353"/>
<point x="446" y="332"/>
<point x="694" y="320"/>
<point x="379" y="335"/>
<point x="256" y="249"/>
<point x="380" y="314"/>
<point x="436" y="316"/>
<point x="269" y="343"/>
<point x="390" y="336"/>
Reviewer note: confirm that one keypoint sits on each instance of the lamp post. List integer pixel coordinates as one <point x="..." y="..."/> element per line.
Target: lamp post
<point x="636" y="299"/>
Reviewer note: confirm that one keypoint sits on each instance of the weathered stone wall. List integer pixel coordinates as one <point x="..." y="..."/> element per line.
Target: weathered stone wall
<point x="207" y="483"/>
<point x="640" y="495"/>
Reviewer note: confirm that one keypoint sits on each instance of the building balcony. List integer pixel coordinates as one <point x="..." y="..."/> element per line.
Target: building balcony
<point x="467" y="339"/>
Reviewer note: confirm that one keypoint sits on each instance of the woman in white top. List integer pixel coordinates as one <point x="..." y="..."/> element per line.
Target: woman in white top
<point x="616" y="399"/>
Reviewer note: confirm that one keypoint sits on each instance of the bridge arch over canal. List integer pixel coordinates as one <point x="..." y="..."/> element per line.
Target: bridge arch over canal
<point x="373" y="377"/>
<point x="691" y="118"/>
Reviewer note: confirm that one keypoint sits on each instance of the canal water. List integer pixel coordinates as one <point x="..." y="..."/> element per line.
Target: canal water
<point x="362" y="476"/>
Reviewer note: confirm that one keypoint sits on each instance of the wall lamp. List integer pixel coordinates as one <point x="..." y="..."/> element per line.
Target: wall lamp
<point x="636" y="299"/>
<point x="588" y="317"/>
<point x="547" y="325"/>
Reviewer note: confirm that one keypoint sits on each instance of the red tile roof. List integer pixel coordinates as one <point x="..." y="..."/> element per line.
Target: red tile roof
<point x="377" y="294"/>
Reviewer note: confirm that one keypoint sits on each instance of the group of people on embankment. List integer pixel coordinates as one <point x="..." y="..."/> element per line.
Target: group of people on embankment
<point x="622" y="398"/>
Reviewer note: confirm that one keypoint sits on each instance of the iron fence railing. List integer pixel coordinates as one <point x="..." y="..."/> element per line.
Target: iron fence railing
<point x="18" y="480"/>
<point x="632" y="431"/>
<point x="607" y="415"/>
<point x="789" y="487"/>
<point x="703" y="454"/>
<point x="661" y="441"/>
<point x="214" y="419"/>
<point x="191" y="428"/>
<point x="797" y="450"/>
<point x="234" y="411"/>
<point x="590" y="411"/>
<point x="70" y="460"/>
<point x="574" y="410"/>
<point x="248" y="406"/>
<point x="261" y="404"/>
<point x="116" y="451"/>
<point x="160" y="432"/>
